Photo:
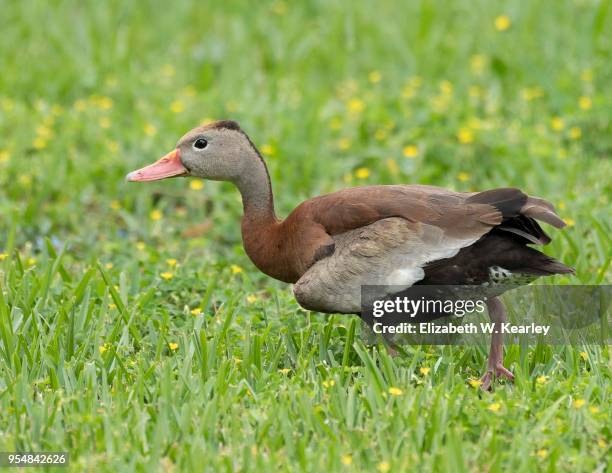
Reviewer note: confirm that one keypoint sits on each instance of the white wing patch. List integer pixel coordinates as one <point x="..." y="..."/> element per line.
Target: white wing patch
<point x="404" y="277"/>
<point x="389" y="252"/>
<point x="503" y="276"/>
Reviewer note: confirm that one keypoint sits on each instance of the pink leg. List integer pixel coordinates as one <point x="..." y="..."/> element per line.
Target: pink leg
<point x="495" y="368"/>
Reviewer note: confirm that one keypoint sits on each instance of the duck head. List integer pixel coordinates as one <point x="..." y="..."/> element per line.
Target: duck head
<point x="220" y="151"/>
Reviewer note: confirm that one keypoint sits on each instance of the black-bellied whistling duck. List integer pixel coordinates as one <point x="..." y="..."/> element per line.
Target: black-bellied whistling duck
<point x="400" y="235"/>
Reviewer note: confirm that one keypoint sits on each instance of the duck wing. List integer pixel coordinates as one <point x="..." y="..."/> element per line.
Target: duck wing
<point x="389" y="235"/>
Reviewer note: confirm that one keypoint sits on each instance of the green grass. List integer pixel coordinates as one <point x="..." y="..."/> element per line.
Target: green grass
<point x="100" y="355"/>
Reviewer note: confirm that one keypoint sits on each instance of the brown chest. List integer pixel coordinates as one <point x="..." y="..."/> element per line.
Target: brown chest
<point x="283" y="250"/>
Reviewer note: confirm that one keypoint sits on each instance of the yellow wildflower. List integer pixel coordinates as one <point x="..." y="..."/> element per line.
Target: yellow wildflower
<point x="362" y="173"/>
<point x="103" y="348"/>
<point x="593" y="409"/>
<point x="602" y="443"/>
<point x="570" y="222"/>
<point x="335" y="123"/>
<point x="411" y="151"/>
<point x="173" y="346"/>
<point x="44" y="131"/>
<point x="177" y="106"/>
<point x="439" y="103"/>
<point x="268" y="150"/>
<point x="105" y="103"/>
<point x="424" y="370"/>
<point x="39" y="143"/>
<point x="557" y="123"/>
<point x="4" y="155"/>
<point x="408" y="91"/>
<point x="7" y="104"/>
<point x="235" y="269"/>
<point x="284" y="370"/>
<point x="575" y="133"/>
<point x="389" y="124"/>
<point x="328" y="383"/>
<point x="171" y="262"/>
<point x="189" y="91"/>
<point x="415" y="81"/>
<point x="586" y="75"/>
<point x="585" y="102"/>
<point x="465" y="136"/>
<point x="475" y="123"/>
<point x="31" y="261"/>
<point x="475" y="383"/>
<point x="393" y="167"/>
<point x="3" y="256"/>
<point x="562" y="205"/>
<point x="374" y="77"/>
<point x="355" y="106"/>
<point x="463" y="176"/>
<point x="502" y="23"/>
<point x="149" y="129"/>
<point x="25" y="180"/>
<point x="531" y="93"/>
<point x="251" y="298"/>
<point x="140" y="246"/>
<point x="79" y="105"/>
<point x="584" y="355"/>
<point x="478" y="63"/>
<point x="346" y="460"/>
<point x="167" y="275"/>
<point x="395" y="391"/>
<point x="542" y="379"/>
<point x="344" y="144"/>
<point x="155" y="215"/>
<point x="108" y="265"/>
<point x="196" y="185"/>
<point x="494" y="407"/>
<point x="380" y="134"/>
<point x="578" y="403"/>
<point x="113" y="146"/>
<point x="279" y="8"/>
<point x="475" y="91"/>
<point x="542" y="453"/>
<point x="196" y="311"/>
<point x="383" y="467"/>
<point x="446" y="87"/>
<point x="104" y="122"/>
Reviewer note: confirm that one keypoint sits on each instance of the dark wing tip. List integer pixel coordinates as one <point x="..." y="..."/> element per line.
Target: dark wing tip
<point x="507" y="200"/>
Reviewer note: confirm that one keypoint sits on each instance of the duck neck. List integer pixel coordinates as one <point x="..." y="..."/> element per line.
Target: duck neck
<point x="256" y="190"/>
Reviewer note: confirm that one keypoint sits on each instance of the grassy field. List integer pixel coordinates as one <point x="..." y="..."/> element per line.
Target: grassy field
<point x="134" y="331"/>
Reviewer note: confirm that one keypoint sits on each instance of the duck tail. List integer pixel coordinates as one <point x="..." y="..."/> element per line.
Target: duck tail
<point x="519" y="213"/>
<point x="537" y="263"/>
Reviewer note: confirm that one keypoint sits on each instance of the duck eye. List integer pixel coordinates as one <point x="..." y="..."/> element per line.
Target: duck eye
<point x="200" y="143"/>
